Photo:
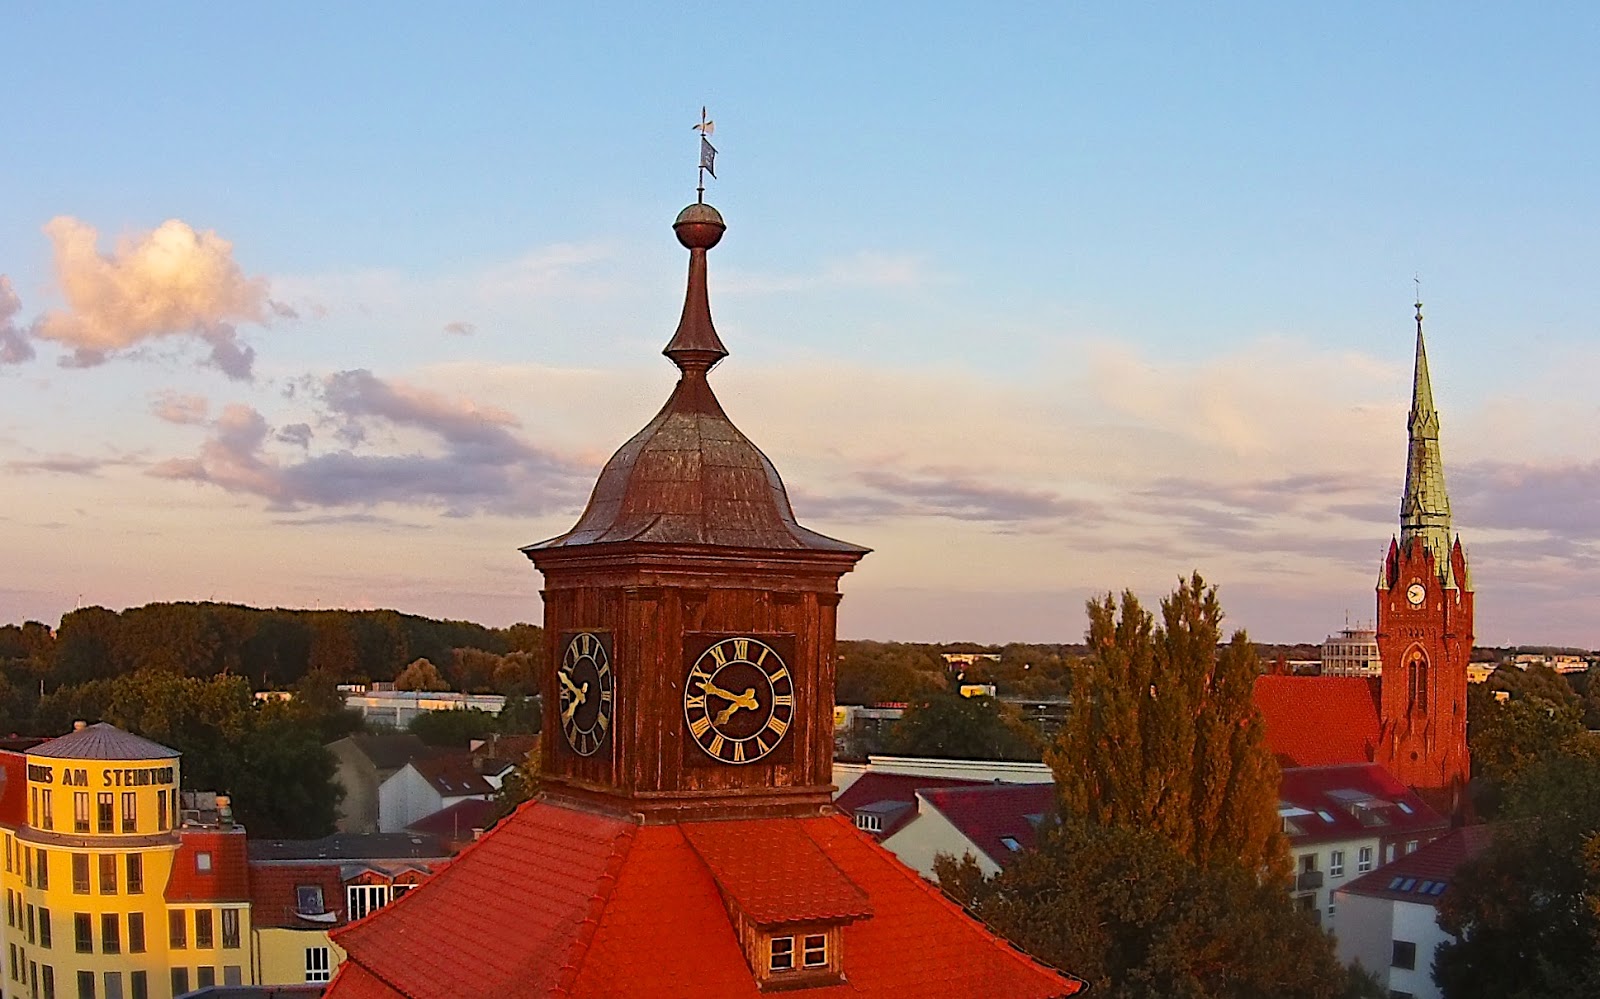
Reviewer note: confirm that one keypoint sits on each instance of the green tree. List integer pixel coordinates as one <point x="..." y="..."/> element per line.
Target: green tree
<point x="421" y="675"/>
<point x="1506" y="735"/>
<point x="452" y="728"/>
<point x="1165" y="736"/>
<point x="1123" y="908"/>
<point x="954" y="727"/>
<point x="879" y="672"/>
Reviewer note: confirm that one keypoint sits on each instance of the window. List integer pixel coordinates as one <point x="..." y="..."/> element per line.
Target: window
<point x="815" y="952"/>
<point x="1411" y="846"/>
<point x="365" y="898"/>
<point x="1308" y="863"/>
<point x="232" y="974"/>
<point x="113" y="985"/>
<point x="105" y="808"/>
<point x="27" y="866"/>
<point x="47" y="812"/>
<point x="42" y="861"/>
<point x="1336" y="864"/>
<point x="110" y="934"/>
<point x="161" y="810"/>
<point x="135" y="874"/>
<point x="30" y="925"/>
<point x="136" y="933"/>
<point x="33" y="808"/>
<point x="869" y="822"/>
<point x="308" y="898"/>
<point x="180" y="981"/>
<point x="1405" y="955"/>
<point x="1010" y="843"/>
<point x="44" y="928"/>
<point x="33" y="979"/>
<point x="177" y="930"/>
<point x="85" y="985"/>
<point x="203" y="929"/>
<point x="139" y="985"/>
<point x="780" y="954"/>
<point x="80" y="811"/>
<point x="205" y="976"/>
<point x="108" y="874"/>
<point x="318" y="968"/>
<point x="8" y="853"/>
<point x="202" y="862"/>
<point x="230" y="928"/>
<point x="1364" y="860"/>
<point x="49" y="982"/>
<point x="80" y="873"/>
<point x="83" y="932"/>
<point x="1332" y="903"/>
<point x="11" y="908"/>
<point x="130" y="812"/>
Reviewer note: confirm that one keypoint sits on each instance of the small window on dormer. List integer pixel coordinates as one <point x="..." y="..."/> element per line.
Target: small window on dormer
<point x="202" y="862"/>
<point x="1010" y="843"/>
<point x="815" y="952"/>
<point x="781" y="955"/>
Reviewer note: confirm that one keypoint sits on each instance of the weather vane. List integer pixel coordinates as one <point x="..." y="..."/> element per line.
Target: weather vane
<point x="1416" y="280"/>
<point x="708" y="154"/>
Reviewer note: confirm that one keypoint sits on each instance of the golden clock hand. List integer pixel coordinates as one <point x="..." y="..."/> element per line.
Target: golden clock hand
<point x="746" y="700"/>
<point x="579" y="694"/>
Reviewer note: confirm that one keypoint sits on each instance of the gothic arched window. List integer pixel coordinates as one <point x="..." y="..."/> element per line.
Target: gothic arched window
<point x="1417" y="682"/>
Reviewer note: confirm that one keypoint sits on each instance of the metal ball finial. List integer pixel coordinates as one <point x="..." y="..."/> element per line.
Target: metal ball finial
<point x="699" y="227"/>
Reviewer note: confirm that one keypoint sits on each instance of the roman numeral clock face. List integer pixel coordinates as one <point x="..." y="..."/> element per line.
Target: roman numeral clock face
<point x="584" y="691"/>
<point x="738" y="699"/>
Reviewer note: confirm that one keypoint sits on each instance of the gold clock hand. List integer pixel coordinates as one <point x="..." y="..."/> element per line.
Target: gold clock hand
<point x="578" y="694"/>
<point x="746" y="700"/>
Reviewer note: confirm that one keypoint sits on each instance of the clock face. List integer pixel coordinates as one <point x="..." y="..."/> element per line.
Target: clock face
<point x="584" y="691"/>
<point x="738" y="699"/>
<point x="1416" y="593"/>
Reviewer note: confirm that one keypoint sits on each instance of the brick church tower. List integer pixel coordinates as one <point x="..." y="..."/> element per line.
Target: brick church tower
<point x="1425" y="605"/>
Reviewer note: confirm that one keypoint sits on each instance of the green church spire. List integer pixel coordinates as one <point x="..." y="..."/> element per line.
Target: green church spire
<point x="1425" y="507"/>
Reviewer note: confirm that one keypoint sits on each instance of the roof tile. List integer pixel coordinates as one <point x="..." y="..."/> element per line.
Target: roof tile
<point x="103" y="741"/>
<point x="227" y="878"/>
<point x="992" y="813"/>
<point x="1316" y="721"/>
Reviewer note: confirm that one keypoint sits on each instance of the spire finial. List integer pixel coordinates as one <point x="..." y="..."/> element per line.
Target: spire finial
<point x="708" y="155"/>
<point x="1417" y="280"/>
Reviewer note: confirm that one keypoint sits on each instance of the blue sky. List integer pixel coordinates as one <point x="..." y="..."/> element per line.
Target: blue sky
<point x="1085" y="297"/>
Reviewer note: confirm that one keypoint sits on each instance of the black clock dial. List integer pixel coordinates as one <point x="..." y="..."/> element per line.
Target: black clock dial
<point x="584" y="693"/>
<point x="738" y="700"/>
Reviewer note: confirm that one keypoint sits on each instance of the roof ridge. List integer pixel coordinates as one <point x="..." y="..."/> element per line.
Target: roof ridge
<point x="938" y="895"/>
<point x="579" y="951"/>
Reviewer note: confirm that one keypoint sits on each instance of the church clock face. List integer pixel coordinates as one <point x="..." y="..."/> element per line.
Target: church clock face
<point x="1416" y="593"/>
<point x="584" y="695"/>
<point x="738" y="699"/>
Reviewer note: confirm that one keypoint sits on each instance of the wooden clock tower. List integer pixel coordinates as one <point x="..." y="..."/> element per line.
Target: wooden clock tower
<point x="690" y="617"/>
<point x="1424" y="622"/>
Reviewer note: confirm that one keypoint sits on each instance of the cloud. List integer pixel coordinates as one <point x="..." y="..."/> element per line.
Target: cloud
<point x="172" y="282"/>
<point x="1561" y="498"/>
<point x="966" y="496"/>
<point x="14" y="345"/>
<point x="64" y="464"/>
<point x="861" y="270"/>
<point x="184" y="410"/>
<point x="459" y="328"/>
<point x="478" y="461"/>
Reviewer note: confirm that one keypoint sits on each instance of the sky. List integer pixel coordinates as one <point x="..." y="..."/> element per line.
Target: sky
<point x="314" y="307"/>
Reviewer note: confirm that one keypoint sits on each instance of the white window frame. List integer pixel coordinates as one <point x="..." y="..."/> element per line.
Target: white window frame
<point x="786" y="955"/>
<point x="362" y="899"/>
<point x="1364" y="860"/>
<point x="1336" y="864"/>
<point x="319" y="965"/>
<point x="814" y="944"/>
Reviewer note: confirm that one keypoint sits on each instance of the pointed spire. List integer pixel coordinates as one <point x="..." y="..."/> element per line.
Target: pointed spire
<point x="695" y="347"/>
<point x="1425" y="507"/>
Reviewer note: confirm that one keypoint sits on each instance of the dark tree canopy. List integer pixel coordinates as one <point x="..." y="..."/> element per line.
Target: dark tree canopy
<point x="950" y="726"/>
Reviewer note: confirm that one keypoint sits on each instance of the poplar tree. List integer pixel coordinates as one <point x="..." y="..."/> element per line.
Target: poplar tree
<point x="1165" y="737"/>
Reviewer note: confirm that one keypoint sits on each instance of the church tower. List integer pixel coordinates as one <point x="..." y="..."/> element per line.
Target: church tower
<point x="1425" y="609"/>
<point x="691" y="618"/>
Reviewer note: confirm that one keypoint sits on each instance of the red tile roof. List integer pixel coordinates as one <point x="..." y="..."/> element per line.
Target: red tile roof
<point x="13" y="790"/>
<point x="986" y="813"/>
<point x="560" y="902"/>
<point x="228" y="880"/>
<point x="274" y="894"/>
<point x="1431" y="864"/>
<point x="774" y="873"/>
<point x="1315" y="721"/>
<point x="452" y="775"/>
<point x="877" y="788"/>
<point x="454" y="825"/>
<point x="1358" y="800"/>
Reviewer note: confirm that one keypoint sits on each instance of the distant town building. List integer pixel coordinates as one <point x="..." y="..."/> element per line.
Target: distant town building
<point x="363" y="763"/>
<point x="1352" y="652"/>
<point x="967" y="660"/>
<point x="425" y="786"/>
<point x="399" y="708"/>
<point x="1390" y="917"/>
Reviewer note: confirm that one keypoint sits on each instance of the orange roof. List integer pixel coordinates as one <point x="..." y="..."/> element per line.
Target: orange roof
<point x="1315" y="721"/>
<point x="275" y="894"/>
<point x="560" y="902"/>
<point x="13" y="789"/>
<point x="227" y="877"/>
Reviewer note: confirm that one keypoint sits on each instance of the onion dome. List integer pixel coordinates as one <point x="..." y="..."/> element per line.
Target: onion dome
<point x="690" y="477"/>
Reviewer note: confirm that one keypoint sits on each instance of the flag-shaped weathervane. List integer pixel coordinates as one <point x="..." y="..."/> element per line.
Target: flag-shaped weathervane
<point x="708" y="152"/>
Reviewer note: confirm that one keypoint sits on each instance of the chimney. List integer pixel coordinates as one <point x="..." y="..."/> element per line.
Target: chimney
<point x="79" y="726"/>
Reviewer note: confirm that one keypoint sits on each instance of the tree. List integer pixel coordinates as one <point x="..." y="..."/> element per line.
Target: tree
<point x="954" y="727"/>
<point x="420" y="675"/>
<point x="1523" y="913"/>
<point x="1165" y="736"/>
<point x="879" y="672"/>
<point x="1505" y="736"/>
<point x="1126" y="910"/>
<point x="452" y="728"/>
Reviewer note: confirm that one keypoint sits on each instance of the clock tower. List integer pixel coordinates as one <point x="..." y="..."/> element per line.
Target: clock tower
<point x="1424" y="621"/>
<point x="690" y="617"/>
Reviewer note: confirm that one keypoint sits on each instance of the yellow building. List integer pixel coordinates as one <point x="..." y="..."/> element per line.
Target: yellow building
<point x="111" y="891"/>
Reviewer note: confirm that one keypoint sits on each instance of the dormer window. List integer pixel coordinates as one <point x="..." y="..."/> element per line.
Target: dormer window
<point x="868" y="822"/>
<point x="202" y="862"/>
<point x="781" y="954"/>
<point x="815" y="953"/>
<point x="308" y="898"/>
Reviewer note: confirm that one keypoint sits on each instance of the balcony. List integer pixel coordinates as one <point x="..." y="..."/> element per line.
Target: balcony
<point x="1308" y="881"/>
